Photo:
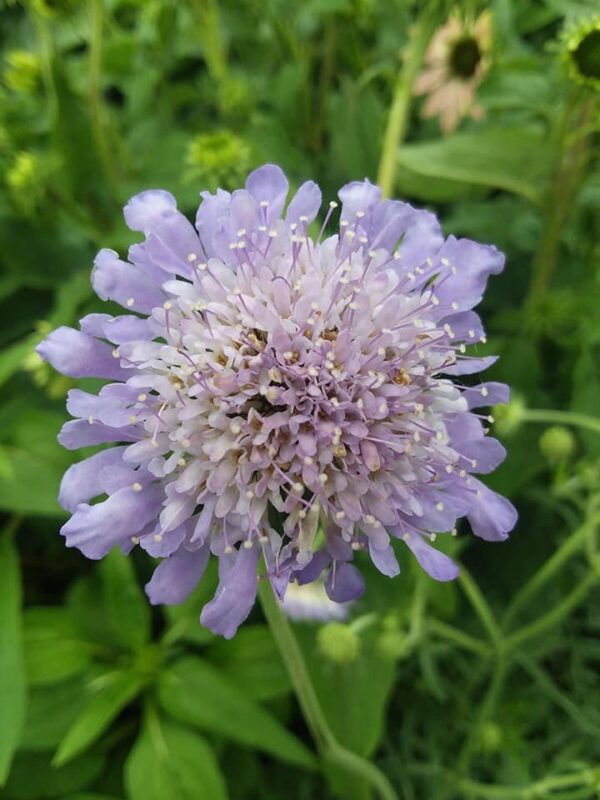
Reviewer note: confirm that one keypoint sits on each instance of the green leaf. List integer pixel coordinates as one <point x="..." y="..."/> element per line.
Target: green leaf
<point x="252" y="662"/>
<point x="52" y="650"/>
<point x="127" y="608"/>
<point x="110" y="694"/>
<point x="34" y="777"/>
<point x="32" y="485"/>
<point x="171" y="762"/>
<point x="514" y="159"/>
<point x="12" y="671"/>
<point x="192" y="691"/>
<point x="354" y="696"/>
<point x="51" y="710"/>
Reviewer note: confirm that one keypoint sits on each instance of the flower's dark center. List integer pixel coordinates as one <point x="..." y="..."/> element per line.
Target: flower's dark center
<point x="587" y="55"/>
<point x="465" y="57"/>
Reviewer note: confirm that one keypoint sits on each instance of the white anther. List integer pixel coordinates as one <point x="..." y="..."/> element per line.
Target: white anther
<point x="262" y="228"/>
<point x="309" y="461"/>
<point x="356" y="545"/>
<point x="381" y="351"/>
<point x="417" y="436"/>
<point x="360" y="403"/>
<point x="454" y="305"/>
<point x="157" y="537"/>
<point x="263" y="539"/>
<point x="484" y="391"/>
<point x="288" y="355"/>
<point x="272" y="234"/>
<point x="333" y="204"/>
<point x="353" y="305"/>
<point x="410" y="276"/>
<point x="314" y="306"/>
<point x="135" y="540"/>
<point x="335" y="402"/>
<point x="439" y="506"/>
<point x="397" y="256"/>
<point x="192" y="257"/>
<point x="264" y="203"/>
<point x="323" y="478"/>
<point x="363" y="239"/>
<point x="91" y="420"/>
<point x="313" y="371"/>
<point x="303" y="218"/>
<point x="202" y="266"/>
<point x="463" y="473"/>
<point x="432" y="537"/>
<point x="471" y="334"/>
<point x="133" y="419"/>
<point x="241" y="232"/>
<point x="130" y="302"/>
<point x="185" y="442"/>
<point x="248" y="544"/>
<point x="344" y="223"/>
<point x="137" y="487"/>
<point x="249" y="494"/>
<point x="340" y="515"/>
<point x="168" y="305"/>
<point x="454" y="532"/>
<point x="311" y="320"/>
<point x="462" y="348"/>
<point x="142" y="398"/>
<point x="115" y="353"/>
<point x="298" y="488"/>
<point x="382" y="408"/>
<point x="445" y="262"/>
<point x="350" y="234"/>
<point x="228" y="549"/>
<point x="360" y="214"/>
<point x="449" y="468"/>
<point x="302" y="514"/>
<point x="236" y="428"/>
<point x="181" y="462"/>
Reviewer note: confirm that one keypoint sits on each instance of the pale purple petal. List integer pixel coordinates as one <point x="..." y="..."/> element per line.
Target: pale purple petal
<point x="177" y="576"/>
<point x="235" y="595"/>
<point x="344" y="582"/>
<point x="438" y="565"/>
<point x="80" y="356"/>
<point x="491" y="516"/>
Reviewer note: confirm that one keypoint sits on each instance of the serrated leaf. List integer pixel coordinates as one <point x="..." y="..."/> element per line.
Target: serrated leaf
<point x="252" y="662"/>
<point x="51" y="710"/>
<point x="109" y="695"/>
<point x="127" y="608"/>
<point x="12" y="672"/>
<point x="52" y="650"/>
<point x="172" y="762"/>
<point x="194" y="692"/>
<point x="514" y="159"/>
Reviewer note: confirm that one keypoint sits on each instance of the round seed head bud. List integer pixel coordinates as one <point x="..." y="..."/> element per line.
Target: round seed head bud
<point x="557" y="444"/>
<point x="338" y="643"/>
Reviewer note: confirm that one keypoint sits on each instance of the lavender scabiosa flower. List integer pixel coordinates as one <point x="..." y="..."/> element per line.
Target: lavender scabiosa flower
<point x="280" y="396"/>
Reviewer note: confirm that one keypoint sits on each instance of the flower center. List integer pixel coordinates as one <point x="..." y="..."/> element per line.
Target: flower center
<point x="587" y="55"/>
<point x="465" y="57"/>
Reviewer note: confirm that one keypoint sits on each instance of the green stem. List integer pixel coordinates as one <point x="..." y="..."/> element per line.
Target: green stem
<point x="398" y="117"/>
<point x="548" y="415"/>
<point x="95" y="99"/>
<point x="458" y="637"/>
<point x="550" y="568"/>
<point x="481" y="608"/>
<point x="212" y="40"/>
<point x="330" y="749"/>
<point x="553" y="617"/>
<point x="572" y="153"/>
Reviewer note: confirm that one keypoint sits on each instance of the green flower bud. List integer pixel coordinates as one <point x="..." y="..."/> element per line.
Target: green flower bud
<point x="219" y="158"/>
<point x="581" y="51"/>
<point x="22" y="73"/>
<point x="338" y="643"/>
<point x="557" y="444"/>
<point x="392" y="644"/>
<point x="490" y="737"/>
<point x="509" y="417"/>
<point x="24" y="182"/>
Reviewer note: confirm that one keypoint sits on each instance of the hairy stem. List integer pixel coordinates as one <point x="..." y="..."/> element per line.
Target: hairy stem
<point x="330" y="749"/>
<point x="398" y="117"/>
<point x="95" y="98"/>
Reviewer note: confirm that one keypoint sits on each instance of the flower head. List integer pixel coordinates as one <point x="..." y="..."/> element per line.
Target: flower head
<point x="278" y="396"/>
<point x="455" y="64"/>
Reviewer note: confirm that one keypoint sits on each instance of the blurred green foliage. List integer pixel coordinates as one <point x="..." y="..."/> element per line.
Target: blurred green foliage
<point x="487" y="688"/>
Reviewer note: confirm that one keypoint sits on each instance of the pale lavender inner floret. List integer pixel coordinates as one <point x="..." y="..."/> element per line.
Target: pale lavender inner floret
<point x="269" y="375"/>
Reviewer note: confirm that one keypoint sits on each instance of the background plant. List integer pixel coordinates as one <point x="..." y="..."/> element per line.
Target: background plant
<point x="487" y="688"/>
